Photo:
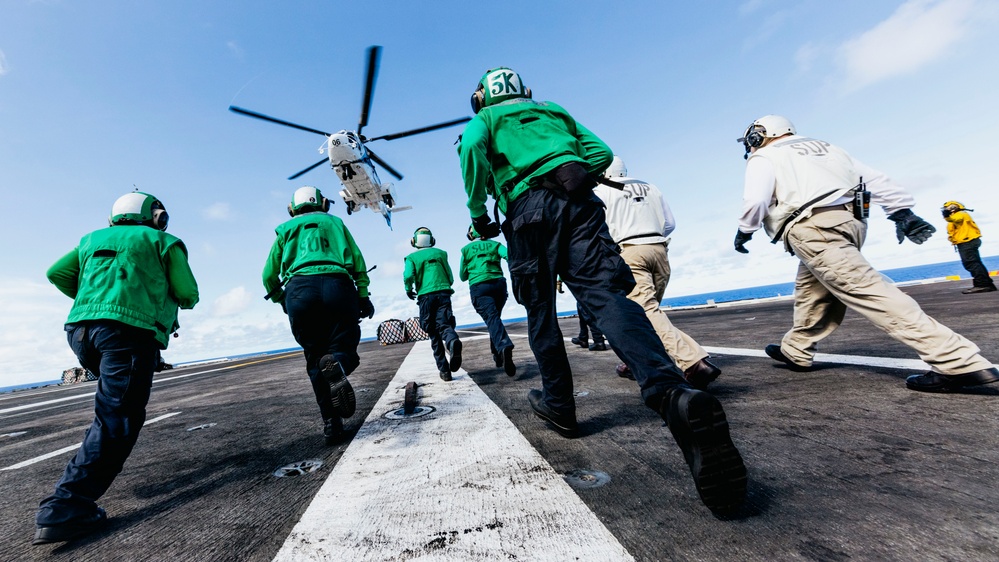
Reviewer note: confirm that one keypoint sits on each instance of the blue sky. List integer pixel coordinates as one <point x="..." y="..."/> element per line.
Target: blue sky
<point x="98" y="97"/>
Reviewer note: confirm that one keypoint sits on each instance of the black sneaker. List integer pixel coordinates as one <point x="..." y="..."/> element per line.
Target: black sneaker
<point x="698" y="424"/>
<point x="508" y="365"/>
<point x="340" y="390"/>
<point x="974" y="290"/>
<point x="581" y="342"/>
<point x="71" y="529"/>
<point x="445" y="376"/>
<point x="333" y="430"/>
<point x="774" y="352"/>
<point x="564" y="424"/>
<point x="454" y="349"/>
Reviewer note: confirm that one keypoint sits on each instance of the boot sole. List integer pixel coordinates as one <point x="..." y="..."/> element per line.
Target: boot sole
<point x="715" y="463"/>
<point x="341" y="393"/>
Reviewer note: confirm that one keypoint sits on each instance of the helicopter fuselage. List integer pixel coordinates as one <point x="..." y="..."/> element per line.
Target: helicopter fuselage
<point x="361" y="186"/>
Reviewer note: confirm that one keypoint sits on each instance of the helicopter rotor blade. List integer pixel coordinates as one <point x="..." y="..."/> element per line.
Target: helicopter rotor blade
<point x="309" y="169"/>
<point x="256" y="115"/>
<point x="374" y="56"/>
<point x="422" y="129"/>
<point x="382" y="163"/>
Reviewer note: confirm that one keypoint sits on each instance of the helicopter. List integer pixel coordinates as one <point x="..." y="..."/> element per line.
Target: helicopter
<point x="354" y="162"/>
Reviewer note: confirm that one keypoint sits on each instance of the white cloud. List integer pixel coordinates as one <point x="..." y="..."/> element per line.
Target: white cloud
<point x="220" y="211"/>
<point x="232" y="303"/>
<point x="235" y="49"/>
<point x="4" y="69"/>
<point x="33" y="344"/>
<point x="918" y="33"/>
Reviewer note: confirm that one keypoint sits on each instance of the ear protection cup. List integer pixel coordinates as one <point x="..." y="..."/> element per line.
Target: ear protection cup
<point x="291" y="211"/>
<point x="528" y="92"/>
<point x="160" y="216"/>
<point x="160" y="219"/>
<point x="755" y="139"/>
<point x="478" y="99"/>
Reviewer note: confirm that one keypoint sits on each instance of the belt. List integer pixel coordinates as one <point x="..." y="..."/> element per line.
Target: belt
<point x="843" y="207"/>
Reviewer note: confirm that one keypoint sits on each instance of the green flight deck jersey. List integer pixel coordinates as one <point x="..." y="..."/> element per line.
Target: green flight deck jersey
<point x="517" y="141"/>
<point x="480" y="261"/>
<point x="131" y="274"/>
<point x="428" y="270"/>
<point x="313" y="243"/>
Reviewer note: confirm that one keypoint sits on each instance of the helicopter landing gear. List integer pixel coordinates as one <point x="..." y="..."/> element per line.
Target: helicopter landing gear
<point x="388" y="200"/>
<point x="351" y="207"/>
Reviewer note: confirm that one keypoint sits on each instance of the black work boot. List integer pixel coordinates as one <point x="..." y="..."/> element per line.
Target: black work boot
<point x="581" y="342"/>
<point x="701" y="374"/>
<point x="508" y="364"/>
<point x="454" y="349"/>
<point x="935" y="382"/>
<point x="698" y="424"/>
<point x="333" y="430"/>
<point x="564" y="424"/>
<point x="340" y="390"/>
<point x="774" y="352"/>
<point x="598" y="345"/>
<point x="71" y="529"/>
<point x="445" y="376"/>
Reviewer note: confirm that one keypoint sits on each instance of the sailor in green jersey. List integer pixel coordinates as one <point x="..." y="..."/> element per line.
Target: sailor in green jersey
<point x="542" y="164"/>
<point x="317" y="273"/>
<point x="480" y="266"/>
<point x="427" y="278"/>
<point x="126" y="282"/>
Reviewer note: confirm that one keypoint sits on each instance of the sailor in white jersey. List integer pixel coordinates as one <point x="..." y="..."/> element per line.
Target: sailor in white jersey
<point x="814" y="197"/>
<point x="640" y="222"/>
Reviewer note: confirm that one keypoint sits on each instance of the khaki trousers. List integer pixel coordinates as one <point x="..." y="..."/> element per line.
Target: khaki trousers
<point x="833" y="275"/>
<point x="649" y="264"/>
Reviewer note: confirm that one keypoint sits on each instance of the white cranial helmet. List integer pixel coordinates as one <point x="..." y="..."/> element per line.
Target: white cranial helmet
<point x="616" y="169"/>
<point x="766" y="127"/>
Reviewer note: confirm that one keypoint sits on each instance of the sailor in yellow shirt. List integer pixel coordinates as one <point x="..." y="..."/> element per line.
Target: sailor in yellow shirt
<point x="963" y="233"/>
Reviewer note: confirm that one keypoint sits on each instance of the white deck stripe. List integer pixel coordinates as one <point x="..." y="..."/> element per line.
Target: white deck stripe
<point x="459" y="484"/>
<point x="40" y="458"/>
<point x="156" y="380"/>
<point x="863" y="360"/>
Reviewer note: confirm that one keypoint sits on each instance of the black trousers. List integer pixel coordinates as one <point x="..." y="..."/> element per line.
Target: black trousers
<point x="972" y="261"/>
<point x="550" y="235"/>
<point x="324" y="311"/>
<point x="123" y="358"/>
<point x="488" y="299"/>
<point x="437" y="320"/>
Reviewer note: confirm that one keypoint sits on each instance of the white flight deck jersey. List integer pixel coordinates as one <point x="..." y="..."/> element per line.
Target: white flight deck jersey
<point x="638" y="214"/>
<point x="761" y="192"/>
<point x="804" y="169"/>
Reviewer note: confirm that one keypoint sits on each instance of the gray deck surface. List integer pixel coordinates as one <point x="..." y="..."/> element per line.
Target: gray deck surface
<point x="844" y="463"/>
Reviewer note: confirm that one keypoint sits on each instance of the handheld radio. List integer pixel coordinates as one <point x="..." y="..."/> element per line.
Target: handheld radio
<point x="861" y="201"/>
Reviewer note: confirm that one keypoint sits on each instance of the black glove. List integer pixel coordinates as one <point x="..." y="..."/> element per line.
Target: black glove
<point x="908" y="225"/>
<point x="367" y="309"/>
<point x="740" y="241"/>
<point x="411" y="294"/>
<point x="486" y="227"/>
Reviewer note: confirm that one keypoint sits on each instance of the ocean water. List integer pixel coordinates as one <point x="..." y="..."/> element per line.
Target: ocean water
<point x="900" y="275"/>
